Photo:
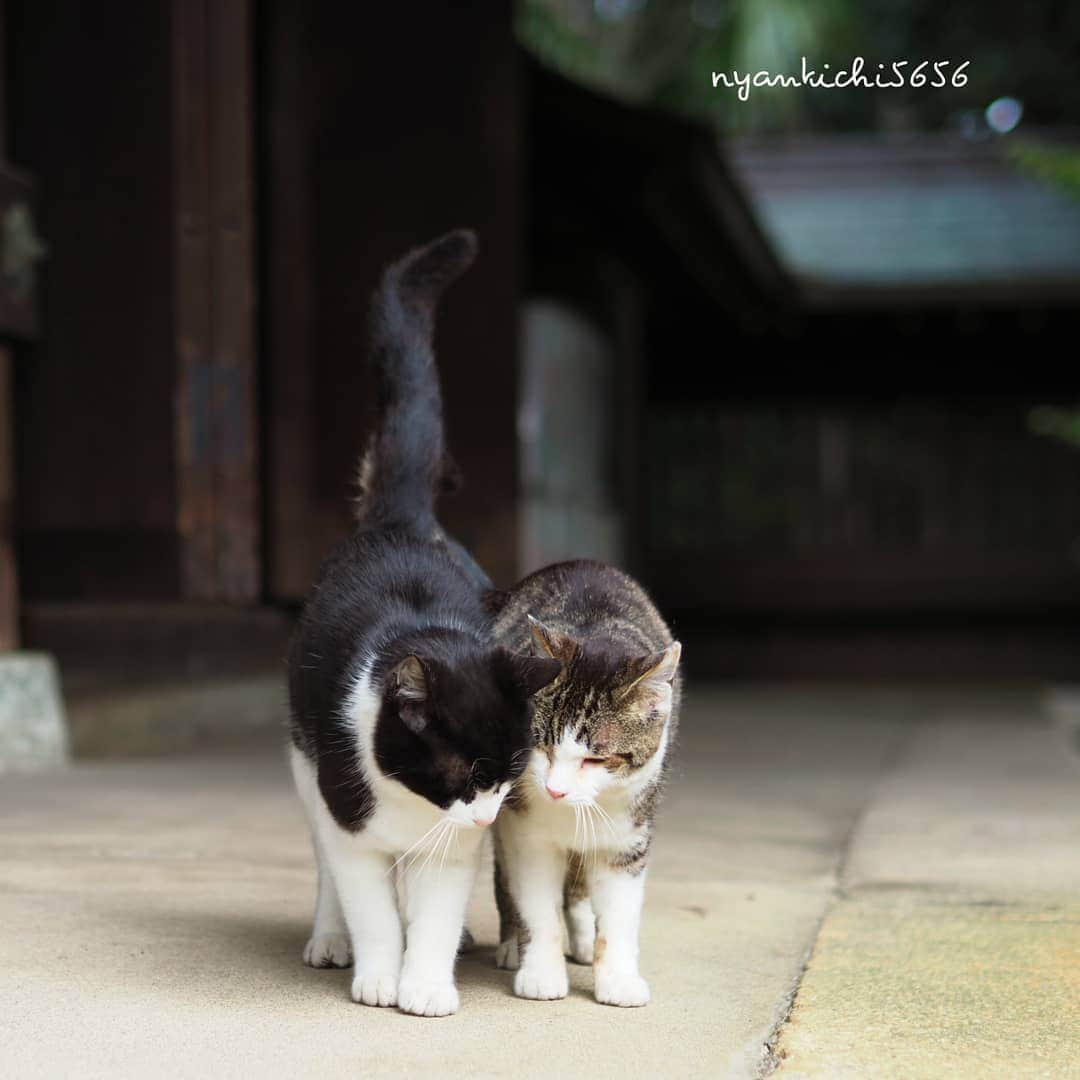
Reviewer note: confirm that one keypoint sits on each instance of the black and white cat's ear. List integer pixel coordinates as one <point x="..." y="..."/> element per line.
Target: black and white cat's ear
<point x="410" y="682"/>
<point x="411" y="691"/>
<point x="655" y="672"/>
<point x="553" y="643"/>
<point x="536" y="672"/>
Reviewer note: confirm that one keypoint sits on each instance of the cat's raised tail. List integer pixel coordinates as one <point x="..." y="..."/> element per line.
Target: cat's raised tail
<point x="406" y="465"/>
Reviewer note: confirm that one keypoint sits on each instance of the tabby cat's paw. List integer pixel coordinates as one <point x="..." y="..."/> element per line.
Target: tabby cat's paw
<point x="627" y="990"/>
<point x="506" y="955"/>
<point x="581" y="930"/>
<point x="374" y="989"/>
<point x="541" y="984"/>
<point x="581" y="950"/>
<point x="427" y="999"/>
<point x="328" y="951"/>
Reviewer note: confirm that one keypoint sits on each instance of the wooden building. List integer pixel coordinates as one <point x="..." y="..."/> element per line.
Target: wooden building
<point x="218" y="185"/>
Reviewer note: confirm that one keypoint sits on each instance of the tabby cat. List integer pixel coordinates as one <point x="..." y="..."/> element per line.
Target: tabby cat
<point x="408" y="725"/>
<point x="575" y="832"/>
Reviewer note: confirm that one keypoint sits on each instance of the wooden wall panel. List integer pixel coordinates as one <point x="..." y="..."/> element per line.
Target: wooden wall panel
<point x="137" y="413"/>
<point x="89" y="114"/>
<point x="377" y="136"/>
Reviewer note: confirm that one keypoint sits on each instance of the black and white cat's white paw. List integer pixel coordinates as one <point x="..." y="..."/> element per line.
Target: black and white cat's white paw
<point x="372" y="988"/>
<point x="423" y="998"/>
<point x="542" y="983"/>
<point x="328" y="951"/>
<point x="507" y="955"/>
<point x="626" y="989"/>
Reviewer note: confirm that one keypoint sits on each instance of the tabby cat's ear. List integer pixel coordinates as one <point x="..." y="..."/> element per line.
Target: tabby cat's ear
<point x="559" y="646"/>
<point x="536" y="672"/>
<point x="655" y="672"/>
<point x="411" y="691"/>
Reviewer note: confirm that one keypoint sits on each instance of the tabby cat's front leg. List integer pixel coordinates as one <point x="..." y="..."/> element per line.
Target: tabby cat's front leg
<point x="535" y="871"/>
<point x="617" y="896"/>
<point x="507" y="953"/>
<point x="580" y="917"/>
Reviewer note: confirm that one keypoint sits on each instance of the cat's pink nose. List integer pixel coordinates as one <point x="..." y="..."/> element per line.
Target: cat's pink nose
<point x="483" y="822"/>
<point x="555" y="793"/>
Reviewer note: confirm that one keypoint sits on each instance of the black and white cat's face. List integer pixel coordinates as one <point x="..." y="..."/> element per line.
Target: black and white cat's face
<point x="602" y="723"/>
<point x="459" y="734"/>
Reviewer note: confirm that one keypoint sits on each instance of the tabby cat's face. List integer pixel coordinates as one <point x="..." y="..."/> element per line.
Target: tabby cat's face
<point x="601" y="721"/>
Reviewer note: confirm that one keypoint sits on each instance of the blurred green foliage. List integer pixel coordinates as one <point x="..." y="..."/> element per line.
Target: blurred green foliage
<point x="1054" y="422"/>
<point x="663" y="52"/>
<point x="1056" y="165"/>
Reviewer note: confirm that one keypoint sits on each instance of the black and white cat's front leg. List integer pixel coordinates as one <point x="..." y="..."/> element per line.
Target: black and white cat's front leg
<point x="329" y="945"/>
<point x="356" y="891"/>
<point x="618" y="893"/>
<point x="436" y="897"/>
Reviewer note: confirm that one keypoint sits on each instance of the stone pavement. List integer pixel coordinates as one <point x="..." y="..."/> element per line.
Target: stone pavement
<point x="152" y="913"/>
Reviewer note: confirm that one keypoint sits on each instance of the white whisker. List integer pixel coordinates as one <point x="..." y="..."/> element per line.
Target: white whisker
<point x="426" y="852"/>
<point x="445" y="824"/>
<point x="451" y="841"/>
<point x="605" y="817"/>
<point x="411" y="849"/>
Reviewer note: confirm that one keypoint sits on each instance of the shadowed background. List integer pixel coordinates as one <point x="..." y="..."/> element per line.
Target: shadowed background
<point x="798" y="362"/>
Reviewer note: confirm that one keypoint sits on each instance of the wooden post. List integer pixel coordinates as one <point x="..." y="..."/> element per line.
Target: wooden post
<point x="215" y="408"/>
<point x="12" y="316"/>
<point x="9" y="589"/>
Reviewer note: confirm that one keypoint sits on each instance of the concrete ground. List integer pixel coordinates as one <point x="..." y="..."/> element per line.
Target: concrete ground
<point x="927" y="851"/>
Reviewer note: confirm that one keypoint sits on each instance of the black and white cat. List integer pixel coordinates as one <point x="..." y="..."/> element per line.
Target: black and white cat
<point x="408" y="725"/>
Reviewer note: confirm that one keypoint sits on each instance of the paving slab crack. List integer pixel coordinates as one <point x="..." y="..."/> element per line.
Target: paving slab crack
<point x="766" y="1049"/>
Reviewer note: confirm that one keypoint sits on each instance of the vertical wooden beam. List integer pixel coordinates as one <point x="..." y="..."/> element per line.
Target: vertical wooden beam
<point x="232" y="297"/>
<point x="193" y="402"/>
<point x="9" y="585"/>
<point x="9" y="588"/>
<point x="297" y="529"/>
<point x="215" y="402"/>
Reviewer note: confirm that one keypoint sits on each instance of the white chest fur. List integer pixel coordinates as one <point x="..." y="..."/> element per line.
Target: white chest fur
<point x="596" y="813"/>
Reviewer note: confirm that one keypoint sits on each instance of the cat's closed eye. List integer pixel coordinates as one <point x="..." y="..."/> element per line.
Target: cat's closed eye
<point x="611" y="761"/>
